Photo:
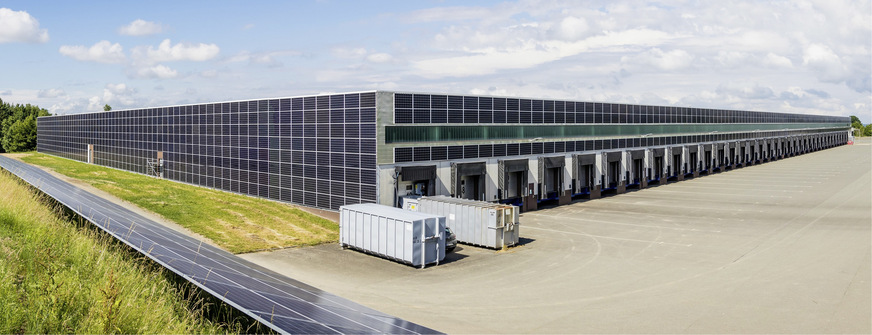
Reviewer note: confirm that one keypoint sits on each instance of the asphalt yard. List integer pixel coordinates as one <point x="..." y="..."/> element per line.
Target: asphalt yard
<point x="782" y="247"/>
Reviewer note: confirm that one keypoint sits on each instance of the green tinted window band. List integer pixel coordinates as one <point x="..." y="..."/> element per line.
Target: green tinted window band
<point x="406" y="134"/>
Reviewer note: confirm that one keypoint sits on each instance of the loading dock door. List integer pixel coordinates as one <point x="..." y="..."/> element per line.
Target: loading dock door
<point x="551" y="177"/>
<point x="467" y="181"/>
<point x="512" y="181"/>
<point x="423" y="178"/>
<point x="693" y="162"/>
<point x="707" y="158"/>
<point x="584" y="173"/>
<point x="657" y="172"/>
<point x="612" y="177"/>
<point x="636" y="167"/>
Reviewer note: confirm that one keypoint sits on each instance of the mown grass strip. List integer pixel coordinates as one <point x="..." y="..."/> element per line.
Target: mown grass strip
<point x="234" y="222"/>
<point x="58" y="276"/>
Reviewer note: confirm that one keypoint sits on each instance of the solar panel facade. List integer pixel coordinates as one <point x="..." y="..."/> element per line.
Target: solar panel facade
<point x="325" y="151"/>
<point x="317" y="151"/>
<point x="423" y="122"/>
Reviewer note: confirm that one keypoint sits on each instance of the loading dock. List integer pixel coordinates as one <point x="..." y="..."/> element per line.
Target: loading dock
<point x="676" y="168"/>
<point x="585" y="176"/>
<point x="656" y="173"/>
<point x="733" y="156"/>
<point x="636" y="173"/>
<point x="468" y="180"/>
<point x="720" y="157"/>
<point x="513" y="187"/>
<point x="417" y="180"/>
<point x="707" y="159"/>
<point x="551" y="180"/>
<point x="692" y="165"/>
<point x="611" y="180"/>
<point x="755" y="153"/>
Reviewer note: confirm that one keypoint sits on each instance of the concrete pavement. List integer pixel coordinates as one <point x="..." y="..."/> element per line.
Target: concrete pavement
<point x="783" y="247"/>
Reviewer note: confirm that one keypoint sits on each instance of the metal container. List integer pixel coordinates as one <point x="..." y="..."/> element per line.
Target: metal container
<point x="409" y="237"/>
<point x="476" y="222"/>
<point x="409" y="202"/>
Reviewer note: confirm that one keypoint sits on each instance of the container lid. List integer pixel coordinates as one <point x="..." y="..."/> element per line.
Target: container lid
<point x="388" y="211"/>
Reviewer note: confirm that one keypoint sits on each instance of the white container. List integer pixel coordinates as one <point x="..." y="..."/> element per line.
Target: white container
<point x="413" y="238"/>
<point x="476" y="222"/>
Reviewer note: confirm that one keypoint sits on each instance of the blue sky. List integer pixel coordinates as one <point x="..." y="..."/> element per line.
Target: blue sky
<point x="785" y="56"/>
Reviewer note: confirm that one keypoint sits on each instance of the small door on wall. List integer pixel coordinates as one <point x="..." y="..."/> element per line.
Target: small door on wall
<point x="90" y="154"/>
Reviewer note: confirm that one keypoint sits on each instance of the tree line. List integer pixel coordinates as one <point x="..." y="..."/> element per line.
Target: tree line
<point x="18" y="126"/>
<point x="859" y="128"/>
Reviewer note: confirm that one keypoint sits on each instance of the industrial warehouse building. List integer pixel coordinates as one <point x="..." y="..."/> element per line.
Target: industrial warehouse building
<point x="326" y="151"/>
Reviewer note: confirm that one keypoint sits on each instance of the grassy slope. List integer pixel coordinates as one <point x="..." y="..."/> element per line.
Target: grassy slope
<point x="235" y="222"/>
<point x="58" y="278"/>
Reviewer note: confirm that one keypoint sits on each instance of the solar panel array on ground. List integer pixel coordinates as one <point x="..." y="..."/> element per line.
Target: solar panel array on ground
<point x="283" y="304"/>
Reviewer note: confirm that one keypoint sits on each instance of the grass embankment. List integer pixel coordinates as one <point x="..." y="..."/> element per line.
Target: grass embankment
<point x="234" y="222"/>
<point x="58" y="276"/>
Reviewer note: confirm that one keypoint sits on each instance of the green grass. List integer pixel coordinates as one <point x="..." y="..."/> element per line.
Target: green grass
<point x="234" y="222"/>
<point x="61" y="276"/>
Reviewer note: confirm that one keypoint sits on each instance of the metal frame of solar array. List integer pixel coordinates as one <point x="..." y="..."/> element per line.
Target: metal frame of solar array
<point x="281" y="303"/>
<point x="318" y="151"/>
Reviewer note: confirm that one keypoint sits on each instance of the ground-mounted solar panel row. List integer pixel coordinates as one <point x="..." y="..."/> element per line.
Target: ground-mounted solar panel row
<point x="281" y="303"/>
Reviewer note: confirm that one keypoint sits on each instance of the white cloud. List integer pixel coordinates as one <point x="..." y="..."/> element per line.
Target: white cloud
<point x="156" y="72"/>
<point x="248" y="26"/>
<point x="777" y="61"/>
<point x="6" y="92"/>
<point x="115" y="95"/>
<point x="141" y="27"/>
<point x="379" y="57"/>
<point x="745" y="90"/>
<point x="51" y="93"/>
<point x="268" y="59"/>
<point x="167" y="52"/>
<point x="821" y="59"/>
<point x="348" y="53"/>
<point x="532" y="53"/>
<point x="19" y="26"/>
<point x="103" y="52"/>
<point x="657" y="59"/>
<point x="572" y="28"/>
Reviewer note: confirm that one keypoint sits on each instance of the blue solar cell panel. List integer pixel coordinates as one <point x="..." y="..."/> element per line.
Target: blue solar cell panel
<point x="281" y="303"/>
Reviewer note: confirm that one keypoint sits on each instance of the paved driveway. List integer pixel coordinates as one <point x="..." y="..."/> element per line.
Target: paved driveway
<point x="779" y="247"/>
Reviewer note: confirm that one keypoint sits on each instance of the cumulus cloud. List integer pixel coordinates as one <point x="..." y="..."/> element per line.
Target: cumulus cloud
<point x="745" y="90"/>
<point x="19" y="26"/>
<point x="141" y="27"/>
<point x="156" y="72"/>
<point x="572" y="28"/>
<point x="660" y="60"/>
<point x="183" y="51"/>
<point x="379" y="57"/>
<point x="822" y="59"/>
<point x="51" y="93"/>
<point x="102" y="52"/>
<point x="6" y="92"/>
<point x="268" y="59"/>
<point x="534" y="52"/>
<point x="777" y="61"/>
<point x="348" y="53"/>
<point x="113" y="94"/>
